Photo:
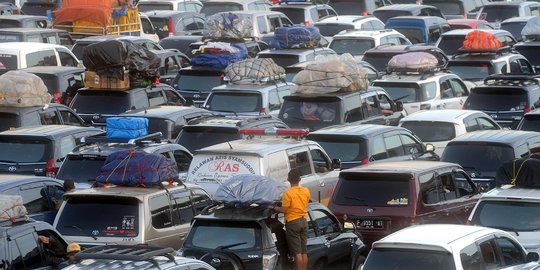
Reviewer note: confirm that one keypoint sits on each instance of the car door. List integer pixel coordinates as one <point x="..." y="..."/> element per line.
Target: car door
<point x="459" y="94"/>
<point x="183" y="159"/>
<point x="38" y="201"/>
<point x="389" y="110"/>
<point x="467" y="193"/>
<point x="394" y="146"/>
<point x="182" y="214"/>
<point x="415" y="148"/>
<point x="68" y="117"/>
<point x="300" y="159"/>
<point x="66" y="58"/>
<point x="327" y="176"/>
<point x="437" y="192"/>
<point x="49" y="116"/>
<point x="24" y="252"/>
<point x="329" y="231"/>
<point x="372" y="111"/>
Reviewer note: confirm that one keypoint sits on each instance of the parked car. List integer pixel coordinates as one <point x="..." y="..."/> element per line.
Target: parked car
<point x="386" y="12"/>
<point x="176" y="5"/>
<point x="257" y="238"/>
<point x="332" y="26"/>
<point x="39" y="150"/>
<point x="62" y="82"/>
<point x="50" y="114"/>
<point x="456" y="9"/>
<point x="288" y="57"/>
<point x="496" y="12"/>
<point x="171" y="62"/>
<point x="358" y="42"/>
<point x="39" y="35"/>
<point x="306" y="13"/>
<point x="515" y="25"/>
<point x="211" y="7"/>
<point x="419" y="29"/>
<point x="291" y="71"/>
<point x="39" y="8"/>
<point x="451" y="41"/>
<point x="24" y="21"/>
<point x="356" y="145"/>
<point x="438" y="127"/>
<point x="80" y="44"/>
<point x="434" y="247"/>
<point x="151" y="216"/>
<point x="177" y="23"/>
<point x="456" y="24"/>
<point x="180" y="43"/>
<point x="194" y="83"/>
<point x="384" y="197"/>
<point x="530" y="121"/>
<point x="17" y="55"/>
<point x="481" y="153"/>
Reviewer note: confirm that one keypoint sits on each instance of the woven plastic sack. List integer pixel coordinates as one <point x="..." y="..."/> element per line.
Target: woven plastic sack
<point x="11" y="207"/>
<point x="228" y="26"/>
<point x="245" y="189"/>
<point x="481" y="41"/>
<point x="413" y="61"/>
<point x="329" y="74"/>
<point x="22" y="89"/>
<point x="531" y="30"/>
<point x="252" y="71"/>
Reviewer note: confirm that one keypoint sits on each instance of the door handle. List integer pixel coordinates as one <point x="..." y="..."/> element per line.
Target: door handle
<point x="327" y="243"/>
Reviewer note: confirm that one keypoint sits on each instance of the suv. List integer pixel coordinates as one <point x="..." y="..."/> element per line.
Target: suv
<point x="497" y="12"/>
<point x="24" y="21"/>
<point x="304" y="12"/>
<point x="373" y="106"/>
<point x="260" y="22"/>
<point x="84" y="162"/>
<point x="62" y="82"/>
<point x="17" y="55"/>
<point x="358" y="42"/>
<point x="50" y="114"/>
<point x="451" y="41"/>
<point x="356" y="145"/>
<point x="211" y="7"/>
<point x="481" y="153"/>
<point x="210" y="130"/>
<point x="384" y="197"/>
<point x="419" y="29"/>
<point x="194" y="83"/>
<point x="96" y="105"/>
<point x="172" y="61"/>
<point x="255" y="239"/>
<point x="355" y="7"/>
<point x="289" y="57"/>
<point x="530" y="121"/>
<point x="387" y="12"/>
<point x="152" y="216"/>
<point x="332" y="26"/>
<point x="39" y="150"/>
<point x="506" y="98"/>
<point x="176" y="5"/>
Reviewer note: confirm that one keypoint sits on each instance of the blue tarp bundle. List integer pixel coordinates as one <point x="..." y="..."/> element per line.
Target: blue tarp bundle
<point x="245" y="189"/>
<point x="126" y="127"/>
<point x="137" y="168"/>
<point x="296" y="37"/>
<point x="219" y="60"/>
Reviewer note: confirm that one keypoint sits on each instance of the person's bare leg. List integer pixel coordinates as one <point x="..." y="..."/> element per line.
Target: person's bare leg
<point x="298" y="261"/>
<point x="305" y="261"/>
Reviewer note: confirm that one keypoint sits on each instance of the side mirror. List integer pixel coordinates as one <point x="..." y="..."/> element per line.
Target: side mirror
<point x="350" y="227"/>
<point x="399" y="106"/>
<point x="430" y="148"/>
<point x="532" y="257"/>
<point x="336" y="164"/>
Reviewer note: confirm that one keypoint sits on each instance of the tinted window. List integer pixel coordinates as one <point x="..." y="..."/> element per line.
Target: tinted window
<point x="81" y="169"/>
<point x="42" y="58"/>
<point x="315" y="113"/>
<point x="409" y="259"/>
<point x="24" y="149"/>
<point x="108" y="102"/>
<point x="414" y="35"/>
<point x="212" y="234"/>
<point x="8" y="61"/>
<point x="450" y="43"/>
<point x="530" y="122"/>
<point x="378" y="60"/>
<point x="35" y="198"/>
<point x="117" y="217"/>
<point x="347" y="149"/>
<point x="9" y="37"/>
<point x="143" y="7"/>
<point x="478" y="156"/>
<point x="500" y="13"/>
<point x="530" y="52"/>
<point x="25" y="253"/>
<point x="431" y="131"/>
<point x="194" y="138"/>
<point x="330" y="29"/>
<point x="470" y="257"/>
<point x="508" y="215"/>
<point x="470" y="71"/>
<point x="493" y="99"/>
<point x="210" y="8"/>
<point x="283" y="60"/>
<point x="6" y="23"/>
<point x="373" y="190"/>
<point x="353" y="46"/>
<point x="67" y="60"/>
<point x="8" y="120"/>
<point x="511" y="252"/>
<point x="296" y="15"/>
<point x="160" y="211"/>
<point x="384" y="15"/>
<point x="182" y="209"/>
<point x="447" y="7"/>
<point x="514" y="28"/>
<point x="409" y="92"/>
<point x="301" y="162"/>
<point x="243" y="102"/>
<point x="198" y="83"/>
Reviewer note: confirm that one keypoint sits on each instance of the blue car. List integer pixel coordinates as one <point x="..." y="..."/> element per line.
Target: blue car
<point x="419" y="30"/>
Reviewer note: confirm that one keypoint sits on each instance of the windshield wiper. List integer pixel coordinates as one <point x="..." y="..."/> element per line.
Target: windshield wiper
<point x="400" y="98"/>
<point x="231" y="245"/>
<point x="80" y="230"/>
<point x="357" y="199"/>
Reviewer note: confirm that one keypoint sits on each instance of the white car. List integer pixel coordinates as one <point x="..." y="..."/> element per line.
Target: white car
<point x="176" y="5"/>
<point x="17" y="55"/>
<point x="331" y="26"/>
<point x="358" y="42"/>
<point x="449" y="247"/>
<point x="438" y="127"/>
<point x="513" y="209"/>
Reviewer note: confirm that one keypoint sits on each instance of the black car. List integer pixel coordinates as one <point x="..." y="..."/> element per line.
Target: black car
<point x="248" y="235"/>
<point x="51" y="114"/>
<point x="209" y="130"/>
<point x="195" y="83"/>
<point x="39" y="150"/>
<point x="356" y="145"/>
<point x="177" y="23"/>
<point x="506" y="98"/>
<point x="95" y="105"/>
<point x="62" y="82"/>
<point x="481" y="153"/>
<point x="24" y="21"/>
<point x="530" y="121"/>
<point x="84" y="162"/>
<point x="373" y="106"/>
<point x="172" y="61"/>
<point x="168" y="120"/>
<point x="40" y="35"/>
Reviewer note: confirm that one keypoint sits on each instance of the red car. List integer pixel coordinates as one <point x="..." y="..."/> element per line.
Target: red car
<point x="469" y="24"/>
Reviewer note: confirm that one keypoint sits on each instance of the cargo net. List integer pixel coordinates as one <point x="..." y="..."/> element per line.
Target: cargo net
<point x="331" y="74"/>
<point x="223" y="26"/>
<point x="413" y="63"/>
<point x="254" y="71"/>
<point x="12" y="208"/>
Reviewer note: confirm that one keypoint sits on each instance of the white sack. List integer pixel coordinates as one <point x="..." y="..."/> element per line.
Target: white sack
<point x="23" y="89"/>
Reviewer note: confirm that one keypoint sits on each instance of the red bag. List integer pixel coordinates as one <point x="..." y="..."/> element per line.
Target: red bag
<point x="480" y="40"/>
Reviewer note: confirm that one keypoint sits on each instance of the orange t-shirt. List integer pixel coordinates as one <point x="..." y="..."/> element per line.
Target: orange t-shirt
<point x="295" y="201"/>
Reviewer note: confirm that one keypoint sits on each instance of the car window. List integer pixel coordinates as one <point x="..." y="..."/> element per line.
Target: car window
<point x="182" y="208"/>
<point x="411" y="145"/>
<point x="510" y="251"/>
<point x="34" y="38"/>
<point x="491" y="259"/>
<point x="25" y="252"/>
<point x="49" y="117"/>
<point x="471" y="125"/>
<point x="160" y="211"/>
<point x="262" y="25"/>
<point x="301" y="162"/>
<point x="458" y="88"/>
<point x="325" y="224"/>
<point x="320" y="161"/>
<point x="66" y="59"/>
<point x="437" y="188"/>
<point x="41" y="58"/>
<point x="171" y="66"/>
<point x="370" y="107"/>
<point x="446" y="89"/>
<point x="182" y="159"/>
<point x="394" y="146"/>
<point x="485" y="123"/>
<point x="322" y="13"/>
<point x="366" y="26"/>
<point x="525" y="66"/>
<point x="66" y="145"/>
<point x="434" y="34"/>
<point x="314" y="14"/>
<point x="147" y="26"/>
<point x="65" y="39"/>
<point x="376" y="25"/>
<point x="35" y="198"/>
<point x="274" y="23"/>
<point x="379" y="149"/>
<point x="470" y="257"/>
<point x="51" y="39"/>
<point x="252" y="6"/>
<point x="274" y="102"/>
<point x="200" y="200"/>
<point x="191" y="24"/>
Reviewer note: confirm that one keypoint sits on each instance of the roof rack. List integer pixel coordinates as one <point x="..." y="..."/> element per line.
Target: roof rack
<point x="512" y="79"/>
<point x="156" y="136"/>
<point x="500" y="51"/>
<point x="127" y="253"/>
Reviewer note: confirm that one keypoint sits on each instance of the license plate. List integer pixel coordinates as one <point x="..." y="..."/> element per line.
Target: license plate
<point x="370" y="224"/>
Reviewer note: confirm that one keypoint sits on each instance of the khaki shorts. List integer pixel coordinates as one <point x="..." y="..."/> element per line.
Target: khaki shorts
<point x="296" y="232"/>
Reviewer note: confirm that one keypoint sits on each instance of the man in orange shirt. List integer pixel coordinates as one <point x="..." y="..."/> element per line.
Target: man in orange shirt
<point x="294" y="206"/>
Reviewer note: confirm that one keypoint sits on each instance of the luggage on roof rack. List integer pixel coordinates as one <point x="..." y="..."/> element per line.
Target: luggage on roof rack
<point x="295" y="37"/>
<point x="481" y="40"/>
<point x="126" y="127"/>
<point x="254" y="71"/>
<point x="245" y="189"/>
<point x="522" y="172"/>
<point x="12" y="208"/>
<point x="228" y="25"/>
<point x="531" y="30"/>
<point x="22" y="89"/>
<point x="414" y="62"/>
<point x="218" y="54"/>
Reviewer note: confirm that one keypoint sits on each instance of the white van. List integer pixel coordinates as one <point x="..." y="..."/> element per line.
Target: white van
<point x="17" y="55"/>
<point x="269" y="156"/>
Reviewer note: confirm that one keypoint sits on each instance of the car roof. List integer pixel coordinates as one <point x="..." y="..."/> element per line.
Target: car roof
<point x="10" y="180"/>
<point x="466" y="21"/>
<point x="46" y="130"/>
<point x="104" y="149"/>
<point x="432" y="236"/>
<point x="464" y="32"/>
<point x="510" y="137"/>
<point x="249" y="87"/>
<point x="229" y="121"/>
<point x="20" y="17"/>
<point x="408" y="166"/>
<point x="53" y="70"/>
<point x="167" y="13"/>
<point x="452" y="116"/>
<point x="30" y="30"/>
<point x="426" y="19"/>
<point x="412" y="78"/>
<point x="127" y="192"/>
<point x="157" y="262"/>
<point x="344" y="19"/>
<point x="229" y="1"/>
<point x="407" y="7"/>
<point x="258" y="146"/>
<point x="512" y="192"/>
<point x="365" y="33"/>
<point x="251" y="12"/>
<point x="302" y="5"/>
<point x="518" y="19"/>
<point x="26" y="46"/>
<point x="163" y="111"/>
<point x="512" y="3"/>
<point x="293" y="51"/>
<point x="20" y="110"/>
<point x="159" y="1"/>
<point x="249" y="213"/>
<point x="355" y="130"/>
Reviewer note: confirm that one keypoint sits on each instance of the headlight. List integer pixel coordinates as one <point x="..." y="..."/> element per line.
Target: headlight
<point x="269" y="261"/>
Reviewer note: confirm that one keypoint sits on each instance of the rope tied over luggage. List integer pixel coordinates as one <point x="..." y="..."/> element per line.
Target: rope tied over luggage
<point x="515" y="175"/>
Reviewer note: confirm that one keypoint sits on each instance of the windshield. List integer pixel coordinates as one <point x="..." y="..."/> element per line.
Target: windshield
<point x="430" y="131"/>
<point x="144" y="7"/>
<point x="243" y="102"/>
<point x="450" y="44"/>
<point x="514" y="28"/>
<point x="100" y="216"/>
<point x="194" y="138"/>
<point x="415" y="35"/>
<point x="296" y="15"/>
<point x="478" y="155"/>
<point x="24" y="150"/>
<point x="486" y="99"/>
<point x="107" y="102"/>
<point x="508" y="215"/>
<point x="331" y="29"/>
<point x="500" y="13"/>
<point x="409" y="259"/>
<point x="283" y="60"/>
<point x="472" y="71"/>
<point x="384" y="15"/>
<point x="8" y="61"/>
<point x="347" y="149"/>
<point x="198" y="83"/>
<point x="451" y="7"/>
<point x="409" y="92"/>
<point x="530" y="52"/>
<point x="214" y="234"/>
<point x="312" y="114"/>
<point x="530" y="122"/>
<point x="8" y="120"/>
<point x="373" y="189"/>
<point x="81" y="169"/>
<point x="354" y="46"/>
<point x="210" y="9"/>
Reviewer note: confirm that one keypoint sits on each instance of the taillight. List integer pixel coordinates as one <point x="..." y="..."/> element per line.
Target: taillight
<point x="171" y="27"/>
<point x="263" y="111"/>
<point x="156" y="80"/>
<point x="526" y="109"/>
<point x="365" y="160"/>
<point x="307" y="23"/>
<point x="56" y="97"/>
<point x="50" y="169"/>
<point x="365" y="13"/>
<point x="469" y="223"/>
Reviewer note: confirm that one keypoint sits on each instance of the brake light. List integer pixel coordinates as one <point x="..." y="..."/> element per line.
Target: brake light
<point x="263" y="111"/>
<point x="252" y="131"/>
<point x="468" y="222"/>
<point x="526" y="109"/>
<point x="50" y="169"/>
<point x="171" y="27"/>
<point x="56" y="97"/>
<point x="275" y="2"/>
<point x="365" y="160"/>
<point x="365" y="13"/>
<point x="307" y="23"/>
<point x="274" y="131"/>
<point x="156" y="80"/>
<point x="292" y="132"/>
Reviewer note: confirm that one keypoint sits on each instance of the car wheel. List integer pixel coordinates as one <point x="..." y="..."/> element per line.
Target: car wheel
<point x="359" y="262"/>
<point x="320" y="265"/>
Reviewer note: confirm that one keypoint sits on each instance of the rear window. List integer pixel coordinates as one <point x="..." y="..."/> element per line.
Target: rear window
<point x="450" y="44"/>
<point x="161" y="24"/>
<point x="530" y="123"/>
<point x="210" y="9"/>
<point x="8" y="61"/>
<point x="514" y="28"/>
<point x="235" y="235"/>
<point x="409" y="259"/>
<point x="330" y="29"/>
<point x="370" y="189"/>
<point x="314" y="113"/>
<point x="24" y="149"/>
<point x="429" y="131"/>
<point x="193" y="137"/>
<point x="530" y="52"/>
<point x="384" y="15"/>
<point x="78" y="50"/>
<point x="472" y="71"/>
<point x="447" y="7"/>
<point x="143" y="7"/>
<point x="6" y="23"/>
<point x="243" y="102"/>
<point x="409" y="92"/>
<point x="478" y="156"/>
<point x="283" y="60"/>
<point x="9" y="38"/>
<point x="107" y="102"/>
<point x="51" y="82"/>
<point x="415" y="35"/>
<point x="487" y="99"/>
<point x="9" y="120"/>
<point x="354" y="46"/>
<point x="347" y="149"/>
<point x="350" y="7"/>
<point x="117" y="217"/>
<point x="81" y="169"/>
<point x="39" y="9"/>
<point x="296" y="15"/>
<point x="508" y="215"/>
<point x="198" y="82"/>
<point x="378" y="60"/>
<point x="500" y="13"/>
